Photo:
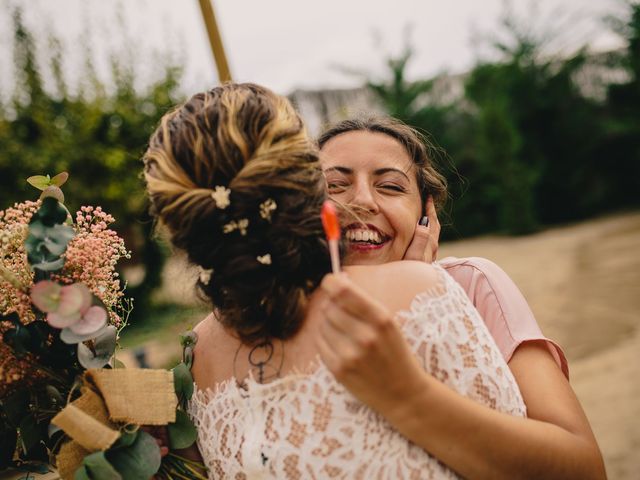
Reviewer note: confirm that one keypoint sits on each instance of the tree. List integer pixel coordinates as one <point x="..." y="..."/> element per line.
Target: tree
<point x="98" y="137"/>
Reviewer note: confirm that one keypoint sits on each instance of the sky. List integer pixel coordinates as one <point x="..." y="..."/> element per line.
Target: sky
<point x="297" y="44"/>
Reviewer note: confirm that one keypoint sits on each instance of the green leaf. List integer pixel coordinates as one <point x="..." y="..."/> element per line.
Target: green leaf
<point x="60" y="179"/>
<point x="187" y="357"/>
<point x="81" y="473"/>
<point x="188" y="338"/>
<point x="183" y="381"/>
<point x="53" y="396"/>
<point x="18" y="339"/>
<point x="126" y="439"/>
<point x="117" y="364"/>
<point x="141" y="460"/>
<point x="53" y="192"/>
<point x="51" y="212"/>
<point x="69" y="336"/>
<point x="39" y="181"/>
<point x="182" y="433"/>
<point x="99" y="467"/>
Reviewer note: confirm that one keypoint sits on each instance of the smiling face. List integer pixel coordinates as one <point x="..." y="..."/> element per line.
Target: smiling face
<point x="373" y="173"/>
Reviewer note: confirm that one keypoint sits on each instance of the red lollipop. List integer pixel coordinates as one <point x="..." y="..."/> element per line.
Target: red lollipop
<point x="332" y="230"/>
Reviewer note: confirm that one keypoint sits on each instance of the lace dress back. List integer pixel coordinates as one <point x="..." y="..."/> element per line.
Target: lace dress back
<point x="308" y="426"/>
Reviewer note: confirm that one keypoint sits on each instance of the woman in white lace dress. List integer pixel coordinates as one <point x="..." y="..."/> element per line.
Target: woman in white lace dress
<point x="235" y="180"/>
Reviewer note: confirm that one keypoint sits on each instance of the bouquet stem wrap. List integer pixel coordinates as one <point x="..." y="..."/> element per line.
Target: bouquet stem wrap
<point x="121" y="396"/>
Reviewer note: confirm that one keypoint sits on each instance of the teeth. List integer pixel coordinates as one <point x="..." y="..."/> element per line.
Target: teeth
<point x="361" y="235"/>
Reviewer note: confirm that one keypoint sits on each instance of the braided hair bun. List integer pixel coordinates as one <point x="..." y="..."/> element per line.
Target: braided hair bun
<point x="235" y="180"/>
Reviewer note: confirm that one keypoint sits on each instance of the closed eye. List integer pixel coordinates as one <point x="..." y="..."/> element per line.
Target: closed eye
<point x="392" y="187"/>
<point x="336" y="186"/>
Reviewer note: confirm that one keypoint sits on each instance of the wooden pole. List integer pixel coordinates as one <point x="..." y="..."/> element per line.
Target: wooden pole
<point x="224" y="74"/>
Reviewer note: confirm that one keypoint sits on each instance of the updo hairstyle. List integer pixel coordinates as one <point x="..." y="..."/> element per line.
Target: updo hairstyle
<point x="235" y="180"/>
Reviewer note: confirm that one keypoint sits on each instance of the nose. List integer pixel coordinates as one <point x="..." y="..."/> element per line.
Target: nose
<point x="364" y="197"/>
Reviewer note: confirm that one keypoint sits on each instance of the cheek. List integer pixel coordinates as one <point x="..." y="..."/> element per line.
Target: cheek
<point x="405" y="219"/>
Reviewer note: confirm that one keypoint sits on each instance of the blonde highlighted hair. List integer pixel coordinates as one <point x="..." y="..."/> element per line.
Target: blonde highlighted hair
<point x="244" y="139"/>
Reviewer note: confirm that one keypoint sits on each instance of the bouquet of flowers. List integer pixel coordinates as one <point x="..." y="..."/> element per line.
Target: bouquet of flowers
<point x="64" y="398"/>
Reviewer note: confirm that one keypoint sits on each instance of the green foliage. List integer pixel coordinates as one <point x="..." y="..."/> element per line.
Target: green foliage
<point x="97" y="134"/>
<point x="531" y="145"/>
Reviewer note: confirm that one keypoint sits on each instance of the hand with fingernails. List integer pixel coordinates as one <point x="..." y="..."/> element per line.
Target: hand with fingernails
<point x="424" y="245"/>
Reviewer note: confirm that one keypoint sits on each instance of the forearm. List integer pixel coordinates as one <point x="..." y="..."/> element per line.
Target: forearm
<point x="479" y="442"/>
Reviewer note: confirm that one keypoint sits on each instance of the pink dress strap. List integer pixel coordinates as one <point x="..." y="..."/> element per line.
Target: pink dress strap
<point x="501" y="305"/>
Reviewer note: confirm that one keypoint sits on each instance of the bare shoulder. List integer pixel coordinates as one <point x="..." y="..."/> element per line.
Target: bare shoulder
<point x="395" y="284"/>
<point x="210" y="337"/>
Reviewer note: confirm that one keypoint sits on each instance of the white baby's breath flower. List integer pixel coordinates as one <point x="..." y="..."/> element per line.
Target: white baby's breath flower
<point x="264" y="259"/>
<point x="221" y="196"/>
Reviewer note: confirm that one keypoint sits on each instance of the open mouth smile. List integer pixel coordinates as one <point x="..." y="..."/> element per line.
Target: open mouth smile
<point x="365" y="237"/>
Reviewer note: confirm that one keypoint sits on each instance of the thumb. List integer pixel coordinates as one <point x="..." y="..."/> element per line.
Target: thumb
<point x="419" y="244"/>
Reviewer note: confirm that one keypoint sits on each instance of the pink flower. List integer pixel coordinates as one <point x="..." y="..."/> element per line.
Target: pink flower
<point x="69" y="307"/>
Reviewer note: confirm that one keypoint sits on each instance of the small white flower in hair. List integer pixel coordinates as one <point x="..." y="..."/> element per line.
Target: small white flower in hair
<point x="267" y="208"/>
<point x="205" y="275"/>
<point x="233" y="225"/>
<point x="264" y="259"/>
<point x="221" y="196"/>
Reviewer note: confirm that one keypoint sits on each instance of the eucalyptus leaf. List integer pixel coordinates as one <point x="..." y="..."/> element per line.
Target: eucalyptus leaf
<point x="140" y="460"/>
<point x="99" y="467"/>
<point x="69" y="336"/>
<point x="126" y="439"/>
<point x="49" y="266"/>
<point x="51" y="212"/>
<point x="59" y="179"/>
<point x="52" y="430"/>
<point x="187" y="357"/>
<point x="39" y="181"/>
<point x="90" y="360"/>
<point x="103" y="349"/>
<point x="53" y="396"/>
<point x="18" y="339"/>
<point x="183" y="381"/>
<point x="57" y="238"/>
<point x="81" y="473"/>
<point x="188" y="338"/>
<point x="182" y="433"/>
<point x="53" y="192"/>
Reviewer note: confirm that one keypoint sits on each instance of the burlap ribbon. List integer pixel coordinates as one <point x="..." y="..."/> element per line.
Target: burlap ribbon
<point x="126" y="396"/>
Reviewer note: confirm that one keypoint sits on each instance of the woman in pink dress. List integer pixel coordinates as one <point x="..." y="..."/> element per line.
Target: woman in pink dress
<point x="380" y="168"/>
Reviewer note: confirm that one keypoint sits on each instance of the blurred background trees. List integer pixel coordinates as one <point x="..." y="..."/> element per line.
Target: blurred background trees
<point x="530" y="140"/>
<point x="97" y="134"/>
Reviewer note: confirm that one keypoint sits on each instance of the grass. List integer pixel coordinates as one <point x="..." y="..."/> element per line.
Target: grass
<point x="161" y="323"/>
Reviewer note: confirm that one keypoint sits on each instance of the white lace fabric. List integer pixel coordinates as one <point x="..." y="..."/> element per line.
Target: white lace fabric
<point x="308" y="426"/>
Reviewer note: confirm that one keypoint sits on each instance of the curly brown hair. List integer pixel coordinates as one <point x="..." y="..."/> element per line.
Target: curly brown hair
<point x="244" y="138"/>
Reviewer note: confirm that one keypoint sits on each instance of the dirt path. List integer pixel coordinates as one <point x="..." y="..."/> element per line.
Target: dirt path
<point x="583" y="284"/>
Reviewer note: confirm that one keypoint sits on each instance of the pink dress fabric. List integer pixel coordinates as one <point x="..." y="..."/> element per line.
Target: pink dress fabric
<point x="501" y="305"/>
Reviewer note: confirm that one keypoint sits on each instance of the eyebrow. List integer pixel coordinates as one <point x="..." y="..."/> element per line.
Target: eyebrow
<point x="378" y="172"/>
